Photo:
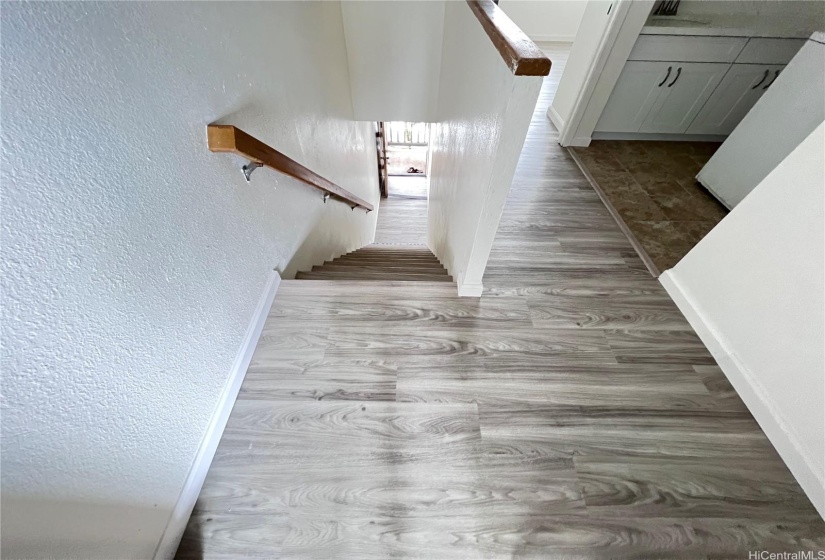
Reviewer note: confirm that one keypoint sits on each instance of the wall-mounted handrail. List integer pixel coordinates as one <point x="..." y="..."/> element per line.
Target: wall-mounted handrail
<point x="228" y="138"/>
<point x="520" y="54"/>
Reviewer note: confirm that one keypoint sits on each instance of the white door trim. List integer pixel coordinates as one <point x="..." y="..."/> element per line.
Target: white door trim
<point x="621" y="32"/>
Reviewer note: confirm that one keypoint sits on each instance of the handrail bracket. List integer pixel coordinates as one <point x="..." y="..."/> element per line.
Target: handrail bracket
<point x="249" y="168"/>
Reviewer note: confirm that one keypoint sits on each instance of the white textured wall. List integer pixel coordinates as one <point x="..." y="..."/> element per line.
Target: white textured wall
<point x="546" y="20"/>
<point x="788" y="111"/>
<point x="132" y="257"/>
<point x="394" y="53"/>
<point x="483" y="115"/>
<point x="755" y="290"/>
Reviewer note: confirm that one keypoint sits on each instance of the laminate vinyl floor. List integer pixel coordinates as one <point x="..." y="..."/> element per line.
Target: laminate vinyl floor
<point x="571" y="412"/>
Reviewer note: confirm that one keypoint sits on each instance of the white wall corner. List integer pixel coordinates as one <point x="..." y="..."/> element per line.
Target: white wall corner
<point x="170" y="540"/>
<point x="757" y="399"/>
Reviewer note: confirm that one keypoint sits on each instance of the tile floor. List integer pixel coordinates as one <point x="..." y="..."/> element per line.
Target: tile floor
<point x="652" y="188"/>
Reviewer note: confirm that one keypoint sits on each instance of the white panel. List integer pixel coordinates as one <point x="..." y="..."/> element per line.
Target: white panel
<point x="683" y="96"/>
<point x="546" y="20"/>
<point x="740" y="89"/>
<point x="769" y="51"/>
<point x="636" y="91"/>
<point x="687" y="49"/>
<point x="394" y="53"/>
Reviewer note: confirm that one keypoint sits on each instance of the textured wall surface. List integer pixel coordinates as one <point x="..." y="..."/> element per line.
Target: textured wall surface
<point x="757" y="283"/>
<point x="483" y="116"/>
<point x="546" y="20"/>
<point x="132" y="257"/>
<point x="394" y="52"/>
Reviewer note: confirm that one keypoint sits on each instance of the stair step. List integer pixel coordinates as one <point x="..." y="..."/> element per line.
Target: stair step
<point x="388" y="255"/>
<point x="379" y="277"/>
<point x="369" y="288"/>
<point x="335" y="267"/>
<point x="382" y="263"/>
<point x="393" y="264"/>
<point x="388" y="259"/>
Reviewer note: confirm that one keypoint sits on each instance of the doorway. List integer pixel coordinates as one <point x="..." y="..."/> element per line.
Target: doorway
<point x="407" y="158"/>
<point x="403" y="167"/>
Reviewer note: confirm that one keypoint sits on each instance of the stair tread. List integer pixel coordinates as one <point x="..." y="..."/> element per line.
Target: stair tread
<point x="377" y="278"/>
<point x="382" y="263"/>
<point x="377" y="268"/>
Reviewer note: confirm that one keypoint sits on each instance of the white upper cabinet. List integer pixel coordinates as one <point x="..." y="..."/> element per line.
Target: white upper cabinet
<point x="636" y="91"/>
<point x="683" y="96"/>
<point x="740" y="89"/>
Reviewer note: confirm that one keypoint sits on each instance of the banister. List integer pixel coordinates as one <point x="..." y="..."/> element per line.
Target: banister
<point x="228" y="138"/>
<point x="520" y="53"/>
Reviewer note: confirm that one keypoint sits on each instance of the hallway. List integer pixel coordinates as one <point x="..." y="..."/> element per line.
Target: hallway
<point x="402" y="216"/>
<point x="571" y="412"/>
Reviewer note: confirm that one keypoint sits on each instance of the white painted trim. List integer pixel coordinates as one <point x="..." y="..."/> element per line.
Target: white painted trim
<point x="617" y="41"/>
<point x="170" y="540"/>
<point x="580" y="142"/>
<point x="755" y="396"/>
<point x="662" y="137"/>
<point x="552" y="38"/>
<point x="555" y="118"/>
<point x="470" y="290"/>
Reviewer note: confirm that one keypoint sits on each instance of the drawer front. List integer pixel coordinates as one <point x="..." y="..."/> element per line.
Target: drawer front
<point x="770" y="51"/>
<point x="676" y="48"/>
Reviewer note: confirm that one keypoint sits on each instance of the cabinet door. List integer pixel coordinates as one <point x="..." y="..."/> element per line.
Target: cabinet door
<point x="634" y="94"/>
<point x="740" y="89"/>
<point x="683" y="96"/>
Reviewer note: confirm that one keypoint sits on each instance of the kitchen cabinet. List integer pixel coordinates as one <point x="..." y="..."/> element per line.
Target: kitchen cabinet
<point x="633" y="96"/>
<point x="740" y="89"/>
<point x="682" y="97"/>
<point x="691" y="86"/>
<point x="659" y="97"/>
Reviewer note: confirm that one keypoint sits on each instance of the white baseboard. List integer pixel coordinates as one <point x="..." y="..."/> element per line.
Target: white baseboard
<point x="658" y="136"/>
<point x="580" y="142"/>
<point x="757" y="399"/>
<point x="470" y="290"/>
<point x="553" y="38"/>
<point x="197" y="473"/>
<point x="555" y="118"/>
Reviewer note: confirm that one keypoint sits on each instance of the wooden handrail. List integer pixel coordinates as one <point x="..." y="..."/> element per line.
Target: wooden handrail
<point x="520" y="54"/>
<point x="228" y="138"/>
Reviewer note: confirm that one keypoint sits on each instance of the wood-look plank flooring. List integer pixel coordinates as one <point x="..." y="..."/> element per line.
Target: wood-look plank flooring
<point x="571" y="412"/>
<point x="402" y="216"/>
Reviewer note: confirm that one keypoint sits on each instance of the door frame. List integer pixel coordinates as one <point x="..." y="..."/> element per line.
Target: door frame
<point x="620" y="35"/>
<point x="381" y="154"/>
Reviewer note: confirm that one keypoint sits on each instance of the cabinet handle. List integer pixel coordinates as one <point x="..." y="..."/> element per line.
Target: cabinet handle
<point x="678" y="73"/>
<point x="669" y="68"/>
<point x="775" y="76"/>
<point x="764" y="77"/>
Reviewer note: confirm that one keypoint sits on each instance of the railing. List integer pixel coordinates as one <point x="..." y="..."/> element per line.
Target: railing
<point x="407" y="133"/>
<point x="520" y="54"/>
<point x="227" y="138"/>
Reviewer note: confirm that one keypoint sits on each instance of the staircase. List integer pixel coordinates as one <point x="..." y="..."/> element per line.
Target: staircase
<point x="414" y="263"/>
